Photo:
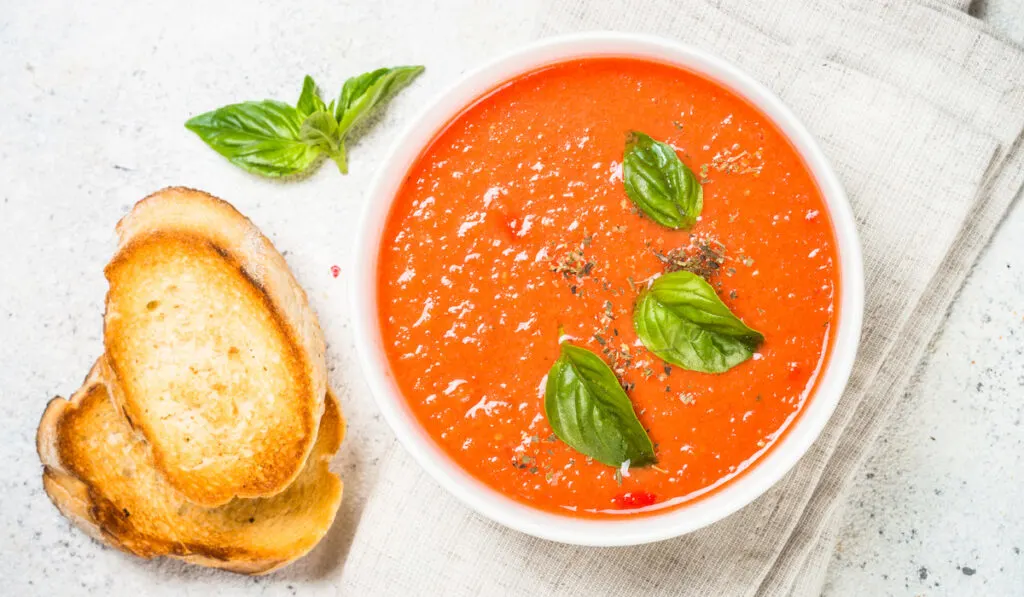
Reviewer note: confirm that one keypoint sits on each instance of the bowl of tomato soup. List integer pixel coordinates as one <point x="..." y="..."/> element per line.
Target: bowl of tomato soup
<point x="607" y="289"/>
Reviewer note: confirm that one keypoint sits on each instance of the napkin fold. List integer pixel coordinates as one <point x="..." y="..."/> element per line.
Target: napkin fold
<point x="921" y="111"/>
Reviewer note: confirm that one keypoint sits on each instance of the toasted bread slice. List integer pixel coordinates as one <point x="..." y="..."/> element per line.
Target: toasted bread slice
<point x="217" y="354"/>
<point x="102" y="476"/>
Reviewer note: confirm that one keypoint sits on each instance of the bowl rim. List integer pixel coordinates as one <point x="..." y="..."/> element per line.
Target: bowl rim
<point x="732" y="495"/>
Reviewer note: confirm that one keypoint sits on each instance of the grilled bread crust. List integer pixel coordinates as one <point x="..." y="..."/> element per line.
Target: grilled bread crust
<point x="103" y="476"/>
<point x="216" y="356"/>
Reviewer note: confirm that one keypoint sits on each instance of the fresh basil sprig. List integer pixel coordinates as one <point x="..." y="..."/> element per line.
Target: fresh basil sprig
<point x="681" y="319"/>
<point x="274" y="139"/>
<point x="588" y="409"/>
<point x="659" y="183"/>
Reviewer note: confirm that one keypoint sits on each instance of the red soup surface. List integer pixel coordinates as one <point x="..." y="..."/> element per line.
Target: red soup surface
<point x="480" y="272"/>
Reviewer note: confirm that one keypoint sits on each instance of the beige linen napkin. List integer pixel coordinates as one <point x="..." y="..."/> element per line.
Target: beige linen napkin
<point x="919" y="110"/>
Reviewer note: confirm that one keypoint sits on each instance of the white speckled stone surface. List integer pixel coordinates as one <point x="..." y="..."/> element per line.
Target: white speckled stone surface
<point x="93" y="99"/>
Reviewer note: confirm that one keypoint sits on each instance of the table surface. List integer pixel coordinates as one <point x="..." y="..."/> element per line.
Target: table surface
<point x="94" y="98"/>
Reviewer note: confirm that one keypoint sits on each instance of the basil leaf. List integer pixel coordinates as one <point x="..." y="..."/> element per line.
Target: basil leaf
<point x="682" y="320"/>
<point x="588" y="409"/>
<point x="321" y="130"/>
<point x="659" y="183"/>
<point x="309" y="100"/>
<point x="261" y="137"/>
<point x="361" y="95"/>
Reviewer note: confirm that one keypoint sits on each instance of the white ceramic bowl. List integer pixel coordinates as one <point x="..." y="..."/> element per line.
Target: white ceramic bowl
<point x="732" y="495"/>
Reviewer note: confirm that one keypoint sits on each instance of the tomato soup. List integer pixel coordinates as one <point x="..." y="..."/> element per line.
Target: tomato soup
<point x="512" y="231"/>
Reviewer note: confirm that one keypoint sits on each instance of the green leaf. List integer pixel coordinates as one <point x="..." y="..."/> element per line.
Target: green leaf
<point x="321" y="130"/>
<point x="261" y="137"/>
<point x="361" y="95"/>
<point x="682" y="320"/>
<point x="659" y="183"/>
<point x="309" y="100"/>
<point x="588" y="409"/>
